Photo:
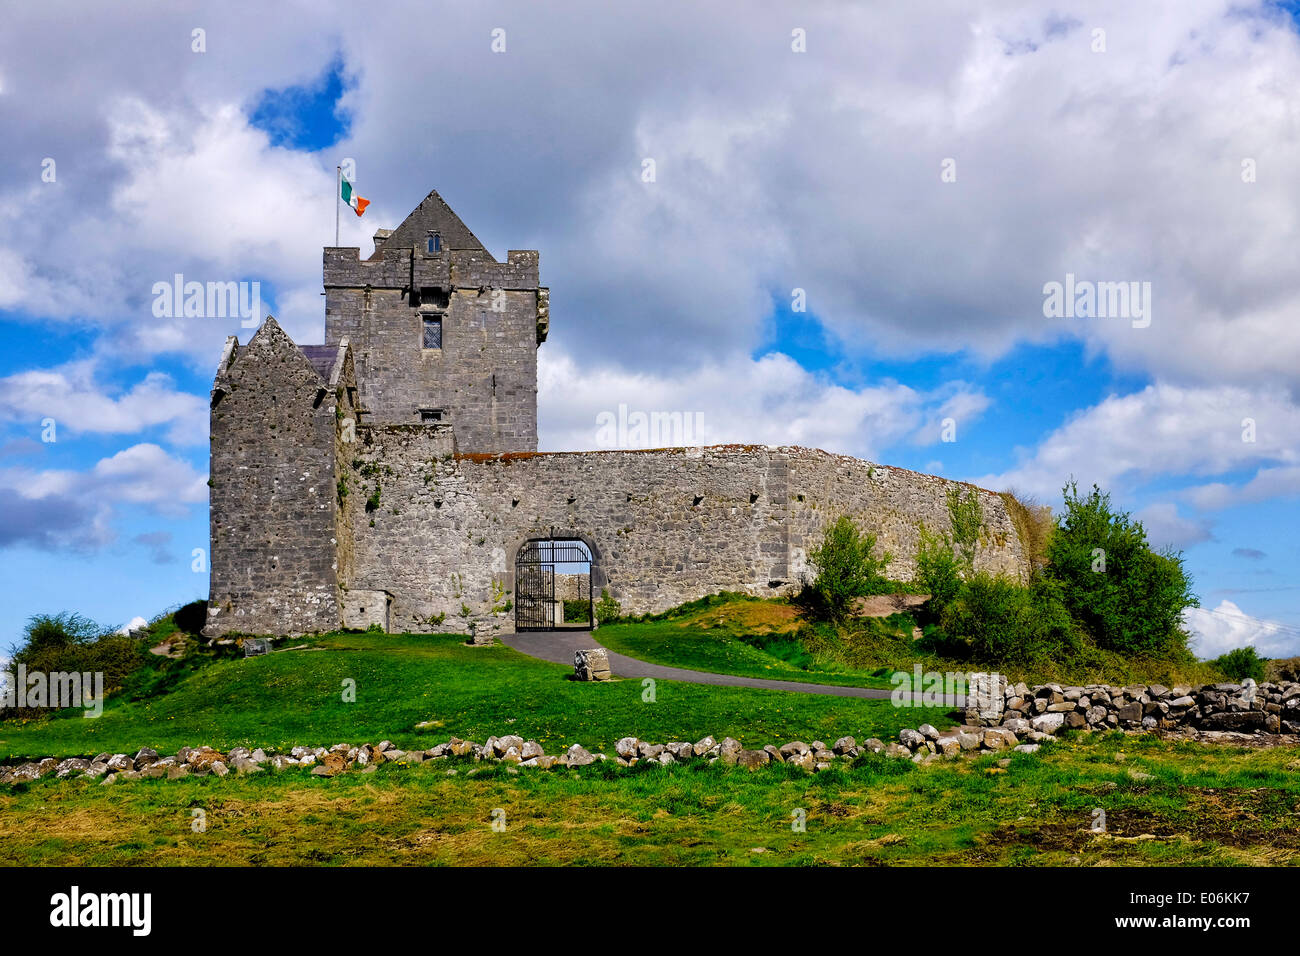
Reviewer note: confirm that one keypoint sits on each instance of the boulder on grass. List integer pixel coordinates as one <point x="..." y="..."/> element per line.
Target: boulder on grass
<point x="591" y="664"/>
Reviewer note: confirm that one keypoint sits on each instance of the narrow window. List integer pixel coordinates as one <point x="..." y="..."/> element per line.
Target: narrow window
<point x="432" y="415"/>
<point x="432" y="331"/>
<point x="433" y="243"/>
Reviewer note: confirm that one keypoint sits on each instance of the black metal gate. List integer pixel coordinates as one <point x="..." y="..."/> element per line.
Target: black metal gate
<point x="535" y="594"/>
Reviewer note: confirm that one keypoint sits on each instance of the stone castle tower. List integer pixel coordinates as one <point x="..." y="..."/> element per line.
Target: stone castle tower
<point x="440" y="331"/>
<point x="390" y="477"/>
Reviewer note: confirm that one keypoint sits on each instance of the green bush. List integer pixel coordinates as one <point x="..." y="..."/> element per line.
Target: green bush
<point x="46" y="632"/>
<point x="68" y="642"/>
<point x="1000" y="620"/>
<point x="937" y="569"/>
<point x="607" y="609"/>
<point x="575" y="611"/>
<point x="846" y="569"/>
<point x="191" y="618"/>
<point x="1129" y="598"/>
<point x="1240" y="663"/>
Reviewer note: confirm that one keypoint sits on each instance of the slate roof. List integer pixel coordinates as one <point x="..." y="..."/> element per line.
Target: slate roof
<point x="321" y="357"/>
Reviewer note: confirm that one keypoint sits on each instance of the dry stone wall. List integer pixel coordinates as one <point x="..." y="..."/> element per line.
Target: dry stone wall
<point x="1208" y="708"/>
<point x="1272" y="708"/>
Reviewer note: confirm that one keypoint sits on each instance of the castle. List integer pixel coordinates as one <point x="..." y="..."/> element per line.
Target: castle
<point x="391" y="477"/>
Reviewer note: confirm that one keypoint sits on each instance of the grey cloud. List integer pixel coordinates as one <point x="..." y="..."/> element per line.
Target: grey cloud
<point x="51" y="523"/>
<point x="776" y="169"/>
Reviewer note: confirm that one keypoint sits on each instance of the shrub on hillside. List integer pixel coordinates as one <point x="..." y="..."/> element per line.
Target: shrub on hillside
<point x="938" y="571"/>
<point x="1129" y="598"/>
<point x="1240" y="663"/>
<point x="846" y="569"/>
<point x="191" y="618"/>
<point x="1282" y="669"/>
<point x="67" y="642"/>
<point x="1000" y="620"/>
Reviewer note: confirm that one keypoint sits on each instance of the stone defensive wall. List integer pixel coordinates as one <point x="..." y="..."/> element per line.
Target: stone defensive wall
<point x="435" y="544"/>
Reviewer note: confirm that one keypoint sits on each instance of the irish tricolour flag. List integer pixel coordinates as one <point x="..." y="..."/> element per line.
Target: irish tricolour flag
<point x="352" y="199"/>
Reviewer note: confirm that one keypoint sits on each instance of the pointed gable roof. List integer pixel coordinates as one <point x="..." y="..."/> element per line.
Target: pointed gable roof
<point x="327" y="361"/>
<point x="432" y="215"/>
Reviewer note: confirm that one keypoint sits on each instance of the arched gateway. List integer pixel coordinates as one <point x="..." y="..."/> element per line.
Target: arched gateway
<point x="553" y="585"/>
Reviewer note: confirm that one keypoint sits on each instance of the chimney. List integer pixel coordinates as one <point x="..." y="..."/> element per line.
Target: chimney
<point x="380" y="236"/>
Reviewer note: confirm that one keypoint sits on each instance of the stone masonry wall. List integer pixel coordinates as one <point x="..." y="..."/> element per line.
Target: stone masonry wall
<point x="571" y="587"/>
<point x="664" y="526"/>
<point x="273" y="498"/>
<point x="493" y="315"/>
<point x="891" y="503"/>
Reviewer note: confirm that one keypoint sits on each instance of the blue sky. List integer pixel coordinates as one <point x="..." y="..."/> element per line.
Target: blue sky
<point x="775" y="171"/>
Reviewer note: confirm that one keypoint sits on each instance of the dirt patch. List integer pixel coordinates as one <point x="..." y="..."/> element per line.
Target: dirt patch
<point x="883" y="605"/>
<point x="1245" y="819"/>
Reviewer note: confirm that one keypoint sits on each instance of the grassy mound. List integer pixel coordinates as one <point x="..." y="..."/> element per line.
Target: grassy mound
<point x="297" y="697"/>
<point x="737" y="634"/>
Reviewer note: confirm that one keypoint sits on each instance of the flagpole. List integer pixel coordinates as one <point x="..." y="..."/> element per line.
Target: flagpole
<point x="338" y="193"/>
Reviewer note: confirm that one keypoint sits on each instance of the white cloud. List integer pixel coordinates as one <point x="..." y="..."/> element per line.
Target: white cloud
<point x="964" y="406"/>
<point x="205" y="196"/>
<point x="213" y="187"/>
<point x="771" y="400"/>
<point x="145" y="474"/>
<point x="775" y="169"/>
<point x="1166" y="528"/>
<point x="1226" y="627"/>
<point x="78" y="402"/>
<point x="61" y="508"/>
<point x="1162" y="430"/>
<point x="1281" y="482"/>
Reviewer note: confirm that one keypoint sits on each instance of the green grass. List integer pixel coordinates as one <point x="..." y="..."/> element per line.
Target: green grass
<point x="734" y="634"/>
<point x="296" y="697"/>
<point x="1205" y="806"/>
<point x="722" y="652"/>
